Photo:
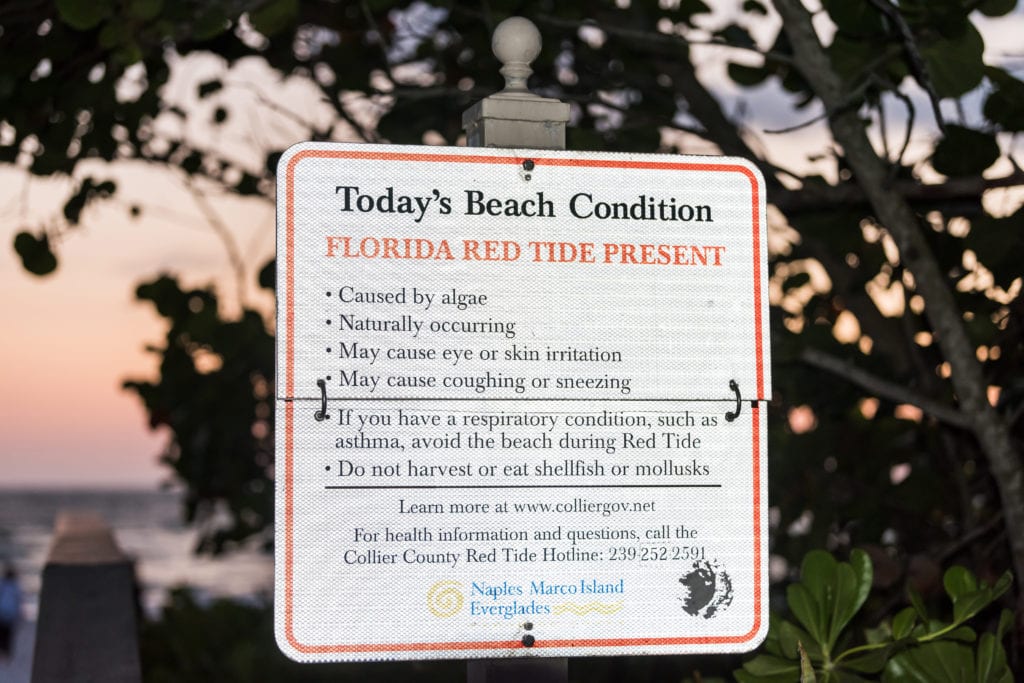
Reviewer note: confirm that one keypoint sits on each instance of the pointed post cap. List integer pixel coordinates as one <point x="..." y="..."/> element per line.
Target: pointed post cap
<point x="516" y="43"/>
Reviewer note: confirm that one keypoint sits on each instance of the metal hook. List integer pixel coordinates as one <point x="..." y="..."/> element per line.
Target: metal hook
<point x="730" y="415"/>
<point x="321" y="414"/>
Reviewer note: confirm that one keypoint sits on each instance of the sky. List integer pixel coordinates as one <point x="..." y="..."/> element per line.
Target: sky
<point x="69" y="340"/>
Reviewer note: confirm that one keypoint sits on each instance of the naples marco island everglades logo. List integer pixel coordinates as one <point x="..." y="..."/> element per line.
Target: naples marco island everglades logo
<point x="445" y="598"/>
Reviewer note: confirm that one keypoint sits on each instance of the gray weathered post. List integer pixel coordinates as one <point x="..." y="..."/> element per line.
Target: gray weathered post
<point x="517" y="118"/>
<point x="87" y="627"/>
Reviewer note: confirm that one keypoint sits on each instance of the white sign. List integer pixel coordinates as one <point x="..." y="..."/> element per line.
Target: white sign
<point x="519" y="403"/>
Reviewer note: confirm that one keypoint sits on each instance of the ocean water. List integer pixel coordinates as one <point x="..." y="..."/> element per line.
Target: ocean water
<point x="148" y="528"/>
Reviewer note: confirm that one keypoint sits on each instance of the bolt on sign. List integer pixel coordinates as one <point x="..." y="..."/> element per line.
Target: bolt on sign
<point x="520" y="403"/>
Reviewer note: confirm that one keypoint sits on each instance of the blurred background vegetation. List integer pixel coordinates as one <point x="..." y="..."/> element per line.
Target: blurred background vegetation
<point x="887" y="135"/>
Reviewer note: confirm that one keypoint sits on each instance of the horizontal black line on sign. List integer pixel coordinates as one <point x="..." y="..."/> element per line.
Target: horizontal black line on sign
<point x="532" y="486"/>
<point x="731" y="399"/>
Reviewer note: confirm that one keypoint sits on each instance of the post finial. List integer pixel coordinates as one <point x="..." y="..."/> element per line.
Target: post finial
<point x="516" y="43"/>
<point x="516" y="117"/>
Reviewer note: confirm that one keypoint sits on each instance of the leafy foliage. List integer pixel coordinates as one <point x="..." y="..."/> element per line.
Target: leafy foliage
<point x="215" y="394"/>
<point x="230" y="642"/>
<point x="909" y="647"/>
<point x="869" y="450"/>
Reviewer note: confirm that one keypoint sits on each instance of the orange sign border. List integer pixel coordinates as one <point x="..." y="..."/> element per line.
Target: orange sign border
<point x="540" y="160"/>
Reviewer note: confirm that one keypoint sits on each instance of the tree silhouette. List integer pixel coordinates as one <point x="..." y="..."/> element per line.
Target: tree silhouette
<point x="896" y="238"/>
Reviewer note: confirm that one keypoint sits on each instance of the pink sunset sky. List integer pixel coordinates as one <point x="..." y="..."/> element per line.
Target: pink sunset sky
<point x="70" y="339"/>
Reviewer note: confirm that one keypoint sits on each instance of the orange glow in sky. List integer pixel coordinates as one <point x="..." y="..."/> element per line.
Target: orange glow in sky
<point x="71" y="338"/>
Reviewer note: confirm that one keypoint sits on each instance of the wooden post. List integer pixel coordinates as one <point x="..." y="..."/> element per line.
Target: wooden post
<point x="513" y="118"/>
<point x="87" y="628"/>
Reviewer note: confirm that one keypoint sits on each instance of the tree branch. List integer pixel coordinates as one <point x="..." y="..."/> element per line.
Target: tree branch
<point x="945" y="318"/>
<point x="954" y="190"/>
<point x="224" y="233"/>
<point x="914" y="59"/>
<point x="654" y="38"/>
<point x="883" y="388"/>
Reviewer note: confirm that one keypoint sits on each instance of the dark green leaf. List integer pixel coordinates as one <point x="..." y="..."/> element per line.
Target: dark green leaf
<point x="692" y="7"/>
<point x="817" y="570"/>
<point x="903" y="623"/>
<point x="755" y="7"/>
<point x="35" y="253"/>
<point x="843" y="595"/>
<point x="918" y="604"/>
<point x="734" y="34"/>
<point x="991" y="660"/>
<point x="129" y="53"/>
<point x="869" y="662"/>
<point x="145" y="9"/>
<point x="864" y="574"/>
<point x="1005" y="624"/>
<point x="1005" y="104"/>
<point x="934" y="662"/>
<point x="955" y="64"/>
<point x="842" y="676"/>
<point x="853" y="56"/>
<point x="766" y="665"/>
<point x="856" y="18"/>
<point x="807" y="611"/>
<point x="959" y="581"/>
<point x="84" y="14"/>
<point x="969" y="604"/>
<point x="789" y="636"/>
<point x="964" y="634"/>
<point x="1002" y="584"/>
<point x="114" y="34"/>
<point x="274" y="16"/>
<point x="747" y="76"/>
<point x="210" y="23"/>
<point x="817" y="574"/>
<point x="964" y="152"/>
<point x="996" y="8"/>
<point x="744" y="677"/>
